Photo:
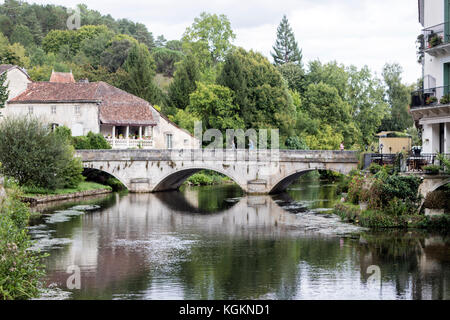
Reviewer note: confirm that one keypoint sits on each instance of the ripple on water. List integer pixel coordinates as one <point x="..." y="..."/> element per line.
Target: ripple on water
<point x="161" y="251"/>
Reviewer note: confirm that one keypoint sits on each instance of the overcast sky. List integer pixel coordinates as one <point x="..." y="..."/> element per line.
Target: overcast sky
<point x="359" y="32"/>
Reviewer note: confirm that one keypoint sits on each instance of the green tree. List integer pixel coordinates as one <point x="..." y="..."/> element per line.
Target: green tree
<point x="286" y="48"/>
<point x="213" y="105"/>
<point x="22" y="34"/>
<point x="184" y="83"/>
<point x="259" y="91"/>
<point x="34" y="156"/>
<point x="325" y="139"/>
<point x="398" y="98"/>
<point x="294" y="75"/>
<point x="165" y="60"/>
<point x="366" y="99"/>
<point x="114" y="57"/>
<point x="214" y="31"/>
<point x="141" y="68"/>
<point x="4" y="92"/>
<point x="323" y="102"/>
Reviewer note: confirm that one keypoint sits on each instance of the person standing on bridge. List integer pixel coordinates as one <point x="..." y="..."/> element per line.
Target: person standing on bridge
<point x="342" y="146"/>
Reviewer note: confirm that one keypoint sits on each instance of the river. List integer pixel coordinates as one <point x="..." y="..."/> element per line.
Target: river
<point x="216" y="243"/>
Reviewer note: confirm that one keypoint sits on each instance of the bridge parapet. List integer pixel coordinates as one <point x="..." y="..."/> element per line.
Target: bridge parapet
<point x="219" y="155"/>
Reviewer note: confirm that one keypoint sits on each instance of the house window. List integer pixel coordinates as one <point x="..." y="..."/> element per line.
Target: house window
<point x="53" y="109"/>
<point x="169" y="141"/>
<point x="30" y="110"/>
<point x="78" y="110"/>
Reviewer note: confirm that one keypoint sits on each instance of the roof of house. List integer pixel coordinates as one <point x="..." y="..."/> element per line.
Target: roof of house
<point x="7" y="67"/>
<point x="116" y="107"/>
<point x="62" y="77"/>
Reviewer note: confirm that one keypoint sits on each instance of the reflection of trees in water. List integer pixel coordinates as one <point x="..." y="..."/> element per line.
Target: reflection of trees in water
<point x="221" y="270"/>
<point x="322" y="192"/>
<point x="410" y="260"/>
<point x="201" y="199"/>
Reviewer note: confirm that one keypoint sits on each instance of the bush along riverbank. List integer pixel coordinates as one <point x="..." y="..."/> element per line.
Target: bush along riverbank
<point x="21" y="270"/>
<point x="381" y="198"/>
<point x="207" y="178"/>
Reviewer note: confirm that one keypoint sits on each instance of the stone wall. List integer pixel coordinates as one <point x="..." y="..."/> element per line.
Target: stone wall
<point x="2" y="191"/>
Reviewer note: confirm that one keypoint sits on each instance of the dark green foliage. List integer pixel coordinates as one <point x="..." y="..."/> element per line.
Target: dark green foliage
<point x="114" y="57"/>
<point x="260" y="91"/>
<point x="286" y="48"/>
<point x="4" y="92"/>
<point x="165" y="60"/>
<point x="21" y="271"/>
<point x="34" y="156"/>
<point x="296" y="143"/>
<point x="93" y="141"/>
<point x="432" y="169"/>
<point x="184" y="83"/>
<point x="294" y="75"/>
<point x="141" y="68"/>
<point x="405" y="188"/>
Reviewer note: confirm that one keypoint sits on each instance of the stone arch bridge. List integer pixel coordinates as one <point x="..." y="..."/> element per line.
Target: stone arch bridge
<point x="256" y="172"/>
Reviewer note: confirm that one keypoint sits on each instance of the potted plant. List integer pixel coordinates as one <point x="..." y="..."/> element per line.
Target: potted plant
<point x="434" y="40"/>
<point x="432" y="169"/>
<point x="431" y="100"/>
<point x="445" y="99"/>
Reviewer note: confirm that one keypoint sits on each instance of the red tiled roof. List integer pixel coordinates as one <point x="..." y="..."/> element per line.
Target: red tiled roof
<point x="5" y="67"/>
<point x="62" y="77"/>
<point x="116" y="106"/>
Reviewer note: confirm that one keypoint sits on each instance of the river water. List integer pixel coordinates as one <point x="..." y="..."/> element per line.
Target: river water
<point x="216" y="243"/>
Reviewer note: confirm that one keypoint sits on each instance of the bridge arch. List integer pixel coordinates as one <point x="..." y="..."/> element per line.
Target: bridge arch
<point x="439" y="184"/>
<point x="283" y="183"/>
<point x="101" y="168"/>
<point x="175" y="179"/>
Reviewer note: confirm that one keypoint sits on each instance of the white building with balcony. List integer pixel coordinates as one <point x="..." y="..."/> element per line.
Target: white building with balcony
<point x="430" y="107"/>
<point x="125" y="120"/>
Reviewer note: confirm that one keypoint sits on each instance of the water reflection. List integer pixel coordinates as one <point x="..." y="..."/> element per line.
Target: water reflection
<point x="215" y="243"/>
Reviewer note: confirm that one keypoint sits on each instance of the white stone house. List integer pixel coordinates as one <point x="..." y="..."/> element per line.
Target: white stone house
<point x="430" y="107"/>
<point x="17" y="80"/>
<point x="125" y="120"/>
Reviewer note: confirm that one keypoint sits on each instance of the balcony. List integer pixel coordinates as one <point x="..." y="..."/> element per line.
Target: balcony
<point x="437" y="40"/>
<point x="431" y="97"/>
<point x="130" y="143"/>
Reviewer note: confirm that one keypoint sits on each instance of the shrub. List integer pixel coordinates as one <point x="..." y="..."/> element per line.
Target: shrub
<point x="200" y="179"/>
<point x="354" y="189"/>
<point x="34" y="156"/>
<point x="20" y="268"/>
<point x="93" y="141"/>
<point x="374" y="168"/>
<point x="432" y="169"/>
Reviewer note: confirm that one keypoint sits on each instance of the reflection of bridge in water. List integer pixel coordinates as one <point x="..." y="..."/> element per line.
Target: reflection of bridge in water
<point x="140" y="237"/>
<point x="262" y="172"/>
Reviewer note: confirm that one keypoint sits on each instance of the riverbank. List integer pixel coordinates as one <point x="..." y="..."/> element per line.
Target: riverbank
<point x="35" y="196"/>
<point x="383" y="199"/>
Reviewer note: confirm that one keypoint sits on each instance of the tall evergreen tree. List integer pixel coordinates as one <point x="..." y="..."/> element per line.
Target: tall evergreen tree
<point x="141" y="68"/>
<point x="4" y="92"/>
<point x="286" y="48"/>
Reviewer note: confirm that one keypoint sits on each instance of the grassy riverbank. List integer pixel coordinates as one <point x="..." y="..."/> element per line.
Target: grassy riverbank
<point x="83" y="186"/>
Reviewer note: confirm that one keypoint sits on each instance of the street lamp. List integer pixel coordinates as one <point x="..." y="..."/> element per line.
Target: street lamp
<point x="381" y="147"/>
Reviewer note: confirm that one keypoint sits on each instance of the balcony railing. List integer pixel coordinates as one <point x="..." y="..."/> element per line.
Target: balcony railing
<point x="412" y="163"/>
<point x="435" y="38"/>
<point x="431" y="97"/>
<point x="130" y="143"/>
